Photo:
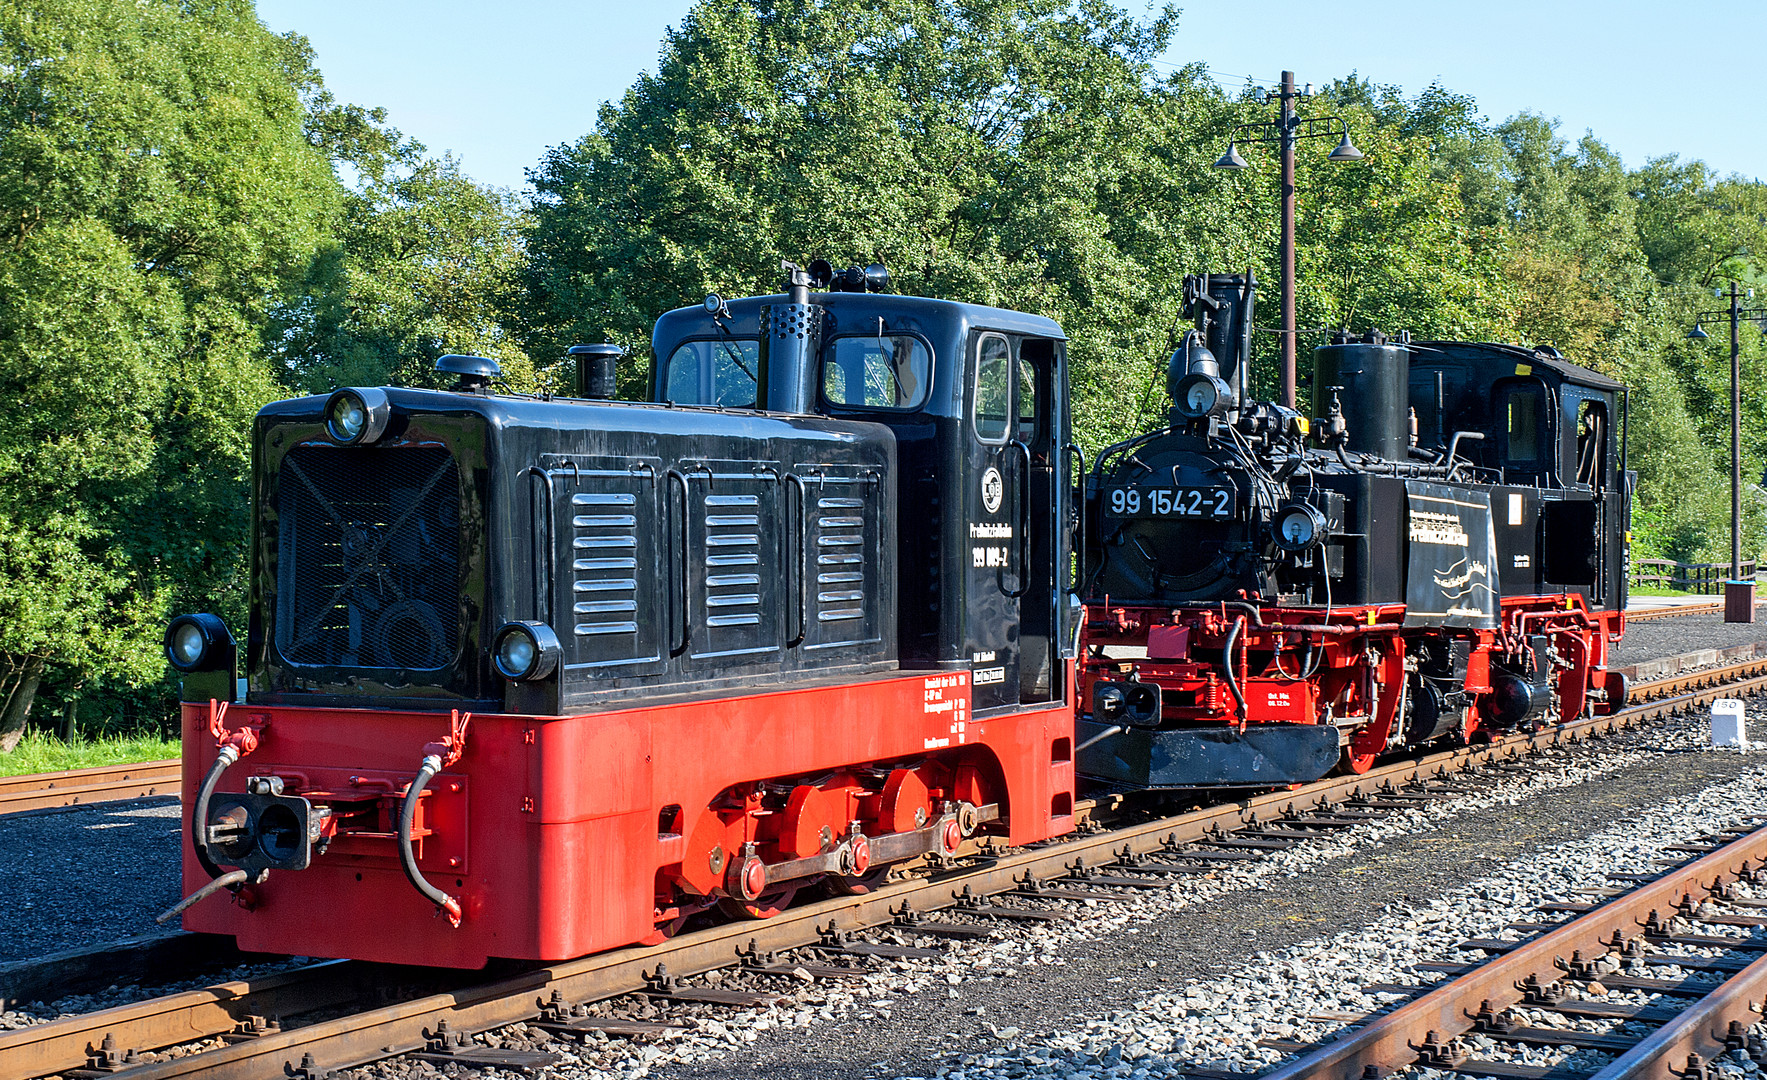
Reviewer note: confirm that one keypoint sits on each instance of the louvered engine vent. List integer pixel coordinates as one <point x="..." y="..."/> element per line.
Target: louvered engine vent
<point x="368" y="557"/>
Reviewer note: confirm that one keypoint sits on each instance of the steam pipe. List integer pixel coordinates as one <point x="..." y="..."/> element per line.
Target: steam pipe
<point x="432" y="764"/>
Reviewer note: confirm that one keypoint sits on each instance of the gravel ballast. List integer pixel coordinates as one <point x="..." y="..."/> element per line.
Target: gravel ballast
<point x="86" y="875"/>
<point x="100" y="873"/>
<point x="1073" y="981"/>
<point x="1680" y="634"/>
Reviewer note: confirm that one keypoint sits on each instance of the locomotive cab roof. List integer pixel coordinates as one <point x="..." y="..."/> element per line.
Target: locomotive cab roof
<point x="710" y="357"/>
<point x="1532" y="356"/>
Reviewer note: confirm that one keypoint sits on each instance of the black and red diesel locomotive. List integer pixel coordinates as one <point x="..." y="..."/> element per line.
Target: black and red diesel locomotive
<point x="567" y="671"/>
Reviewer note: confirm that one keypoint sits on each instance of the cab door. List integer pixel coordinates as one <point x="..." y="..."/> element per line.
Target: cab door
<point x="1012" y="473"/>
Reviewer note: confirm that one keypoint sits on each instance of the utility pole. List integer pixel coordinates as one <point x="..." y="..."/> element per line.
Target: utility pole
<point x="1286" y="126"/>
<point x="1739" y="592"/>
<point x="1286" y="131"/>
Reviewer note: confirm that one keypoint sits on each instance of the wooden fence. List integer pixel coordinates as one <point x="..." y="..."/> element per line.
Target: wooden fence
<point x="1686" y="577"/>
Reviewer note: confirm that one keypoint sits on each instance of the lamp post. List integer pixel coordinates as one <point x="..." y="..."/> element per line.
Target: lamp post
<point x="1739" y="595"/>
<point x="1285" y="131"/>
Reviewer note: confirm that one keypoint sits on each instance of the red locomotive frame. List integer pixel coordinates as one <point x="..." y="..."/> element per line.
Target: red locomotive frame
<point x="547" y="866"/>
<point x="1360" y="666"/>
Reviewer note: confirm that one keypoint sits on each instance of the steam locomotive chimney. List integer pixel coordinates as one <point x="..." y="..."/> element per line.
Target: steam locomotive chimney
<point x="595" y="369"/>
<point x="791" y="340"/>
<point x="1222" y="306"/>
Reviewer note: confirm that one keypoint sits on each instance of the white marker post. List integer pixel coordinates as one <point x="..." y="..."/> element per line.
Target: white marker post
<point x="1728" y="728"/>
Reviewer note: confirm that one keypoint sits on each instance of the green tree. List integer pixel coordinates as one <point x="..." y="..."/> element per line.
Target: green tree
<point x="424" y="262"/>
<point x="158" y="188"/>
<point x="1022" y="153"/>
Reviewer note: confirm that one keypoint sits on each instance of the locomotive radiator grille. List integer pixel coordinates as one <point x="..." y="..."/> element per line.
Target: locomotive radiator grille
<point x="605" y="563"/>
<point x="840" y="559"/>
<point x="740" y="518"/>
<point x="368" y="557"/>
<point x="846" y="524"/>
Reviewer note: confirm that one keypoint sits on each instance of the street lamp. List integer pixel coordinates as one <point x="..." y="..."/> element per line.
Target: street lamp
<point x="1285" y="131"/>
<point x="1739" y="595"/>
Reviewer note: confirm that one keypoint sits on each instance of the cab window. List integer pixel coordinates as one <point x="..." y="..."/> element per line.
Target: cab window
<point x="1592" y="439"/>
<point x="1027" y="401"/>
<point x="713" y="371"/>
<point x="993" y="403"/>
<point x="1523" y="416"/>
<point x="888" y="372"/>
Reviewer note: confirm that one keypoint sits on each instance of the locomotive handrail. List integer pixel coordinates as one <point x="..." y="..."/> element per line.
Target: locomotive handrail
<point x="678" y="567"/>
<point x="1077" y="555"/>
<point x="543" y="566"/>
<point x="800" y="557"/>
<point x="1023" y="499"/>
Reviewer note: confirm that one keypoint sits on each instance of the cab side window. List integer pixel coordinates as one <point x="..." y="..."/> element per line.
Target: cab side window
<point x="1522" y="414"/>
<point x="1592" y="440"/>
<point x="992" y="405"/>
<point x="884" y="372"/>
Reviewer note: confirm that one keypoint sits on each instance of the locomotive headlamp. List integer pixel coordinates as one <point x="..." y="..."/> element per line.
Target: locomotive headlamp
<point x="1109" y="703"/>
<point x="357" y="415"/>
<point x="1298" y="527"/>
<point x="1200" y="394"/>
<point x="524" y="651"/>
<point x="199" y="643"/>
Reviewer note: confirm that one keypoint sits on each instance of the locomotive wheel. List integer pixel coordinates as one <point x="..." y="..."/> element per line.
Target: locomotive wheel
<point x="857" y="886"/>
<point x="765" y="906"/>
<point x="1354" y="763"/>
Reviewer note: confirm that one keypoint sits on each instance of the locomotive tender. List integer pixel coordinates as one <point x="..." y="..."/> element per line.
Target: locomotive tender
<point x="535" y="677"/>
<point x="1440" y="555"/>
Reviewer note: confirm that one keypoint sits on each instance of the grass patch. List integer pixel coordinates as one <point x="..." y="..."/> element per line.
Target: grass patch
<point x="40" y="752"/>
<point x="1658" y="590"/>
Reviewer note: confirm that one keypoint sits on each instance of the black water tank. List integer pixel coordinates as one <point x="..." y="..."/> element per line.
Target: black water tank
<point x="1375" y="377"/>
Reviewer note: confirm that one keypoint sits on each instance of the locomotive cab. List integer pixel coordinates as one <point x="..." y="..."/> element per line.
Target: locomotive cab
<point x="1555" y="456"/>
<point x="977" y="400"/>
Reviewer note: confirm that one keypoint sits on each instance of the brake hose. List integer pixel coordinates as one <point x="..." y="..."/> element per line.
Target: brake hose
<point x="1227" y="663"/>
<point x="432" y="764"/>
<point x="199" y="811"/>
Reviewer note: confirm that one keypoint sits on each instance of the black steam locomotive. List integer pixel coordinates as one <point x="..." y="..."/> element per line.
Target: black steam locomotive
<point x="1439" y="554"/>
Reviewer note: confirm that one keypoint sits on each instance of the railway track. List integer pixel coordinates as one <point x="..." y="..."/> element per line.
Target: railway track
<point x="230" y="1030"/>
<point x="1652" y="614"/>
<point x="1666" y="932"/>
<point x="78" y="787"/>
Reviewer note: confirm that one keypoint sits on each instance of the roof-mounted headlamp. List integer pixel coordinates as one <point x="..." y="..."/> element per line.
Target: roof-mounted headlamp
<point x="357" y="415"/>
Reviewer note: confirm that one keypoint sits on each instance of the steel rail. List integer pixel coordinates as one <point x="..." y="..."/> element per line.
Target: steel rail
<point x="1700" y="1029"/>
<point x="384" y="1032"/>
<point x="1700" y="679"/>
<point x="45" y="1049"/>
<point x="1391" y="1040"/>
<point x="107" y="783"/>
<point x="409" y="1026"/>
<point x="1650" y="614"/>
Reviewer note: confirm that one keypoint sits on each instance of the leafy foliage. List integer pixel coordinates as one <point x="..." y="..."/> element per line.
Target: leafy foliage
<point x="191" y="225"/>
<point x="156" y="189"/>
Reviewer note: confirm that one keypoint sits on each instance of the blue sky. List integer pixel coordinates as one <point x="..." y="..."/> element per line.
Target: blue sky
<point x="1648" y="78"/>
